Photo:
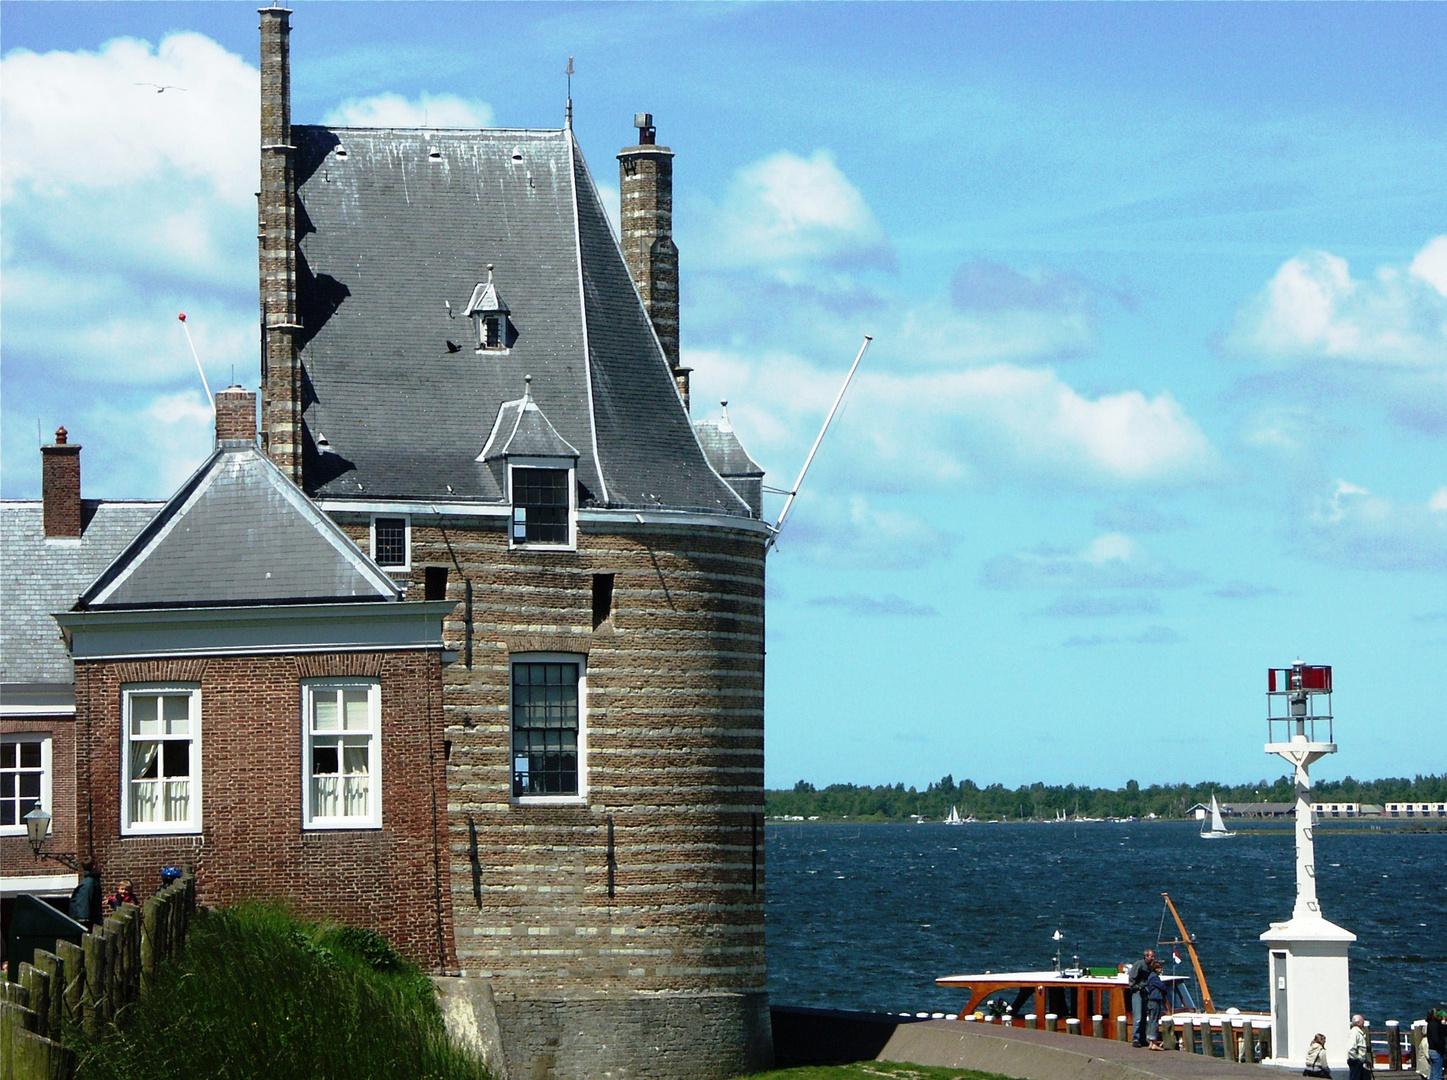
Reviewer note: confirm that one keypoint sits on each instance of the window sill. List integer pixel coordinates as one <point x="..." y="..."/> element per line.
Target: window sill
<point x="130" y="832"/>
<point x="550" y="800"/>
<point x="543" y="547"/>
<point x="339" y="825"/>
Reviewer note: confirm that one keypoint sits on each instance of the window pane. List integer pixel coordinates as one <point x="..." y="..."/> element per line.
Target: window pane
<point x="354" y="759"/>
<point x="545" y="728"/>
<point x="540" y="502"/>
<point x="8" y="750"/>
<point x="145" y="760"/>
<point x="8" y="811"/>
<point x="7" y="785"/>
<point x="354" y="796"/>
<point x="355" y="703"/>
<point x="145" y="800"/>
<point x="324" y="796"/>
<point x="324" y="711"/>
<point x="176" y="761"/>
<point x="144" y="715"/>
<point x="178" y="800"/>
<point x="324" y="759"/>
<point x="176" y="714"/>
<point x="30" y="785"/>
<point x="390" y="548"/>
<point x="29" y="754"/>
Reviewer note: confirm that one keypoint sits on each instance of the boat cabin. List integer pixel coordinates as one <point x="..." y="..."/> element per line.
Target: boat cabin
<point x="1090" y="993"/>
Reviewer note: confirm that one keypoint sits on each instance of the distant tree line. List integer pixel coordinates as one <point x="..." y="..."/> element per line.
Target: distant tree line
<point x="1040" y="801"/>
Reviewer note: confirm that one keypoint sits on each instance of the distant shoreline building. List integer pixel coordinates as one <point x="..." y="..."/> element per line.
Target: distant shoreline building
<point x="479" y="658"/>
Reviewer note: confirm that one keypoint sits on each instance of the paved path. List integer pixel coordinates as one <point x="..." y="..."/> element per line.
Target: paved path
<point x="1045" y="1055"/>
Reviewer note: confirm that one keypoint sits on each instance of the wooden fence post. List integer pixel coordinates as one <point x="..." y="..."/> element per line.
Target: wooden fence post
<point x="72" y="959"/>
<point x="37" y="1058"/>
<point x="93" y="1001"/>
<point x="150" y="928"/>
<point x="1229" y="1049"/>
<point x="38" y="987"/>
<point x="1394" y="1045"/>
<point x="54" y="969"/>
<point x="1248" y="1034"/>
<point x="14" y="1018"/>
<point x="1188" y="1036"/>
<point x="1168" y="1032"/>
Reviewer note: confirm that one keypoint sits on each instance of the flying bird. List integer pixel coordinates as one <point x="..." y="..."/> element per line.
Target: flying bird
<point x="162" y="89"/>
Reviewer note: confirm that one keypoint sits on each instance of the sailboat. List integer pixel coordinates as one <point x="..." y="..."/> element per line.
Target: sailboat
<point x="954" y="817"/>
<point x="1217" y="827"/>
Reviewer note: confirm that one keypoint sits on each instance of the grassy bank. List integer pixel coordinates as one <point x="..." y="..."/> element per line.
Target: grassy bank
<point x="256" y="993"/>
<point x="872" y="1070"/>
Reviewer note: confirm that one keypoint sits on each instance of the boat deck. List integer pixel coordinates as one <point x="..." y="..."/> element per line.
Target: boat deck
<point x="1046" y="1055"/>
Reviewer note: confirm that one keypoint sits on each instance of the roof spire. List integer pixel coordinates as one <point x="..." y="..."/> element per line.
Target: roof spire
<point x="568" y="115"/>
<point x="527" y="388"/>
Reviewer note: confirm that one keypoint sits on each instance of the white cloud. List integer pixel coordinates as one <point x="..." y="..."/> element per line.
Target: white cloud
<point x="1110" y="561"/>
<point x="1351" y="525"/>
<point x="787" y="210"/>
<point x="393" y="110"/>
<point x="1314" y="309"/>
<point x="853" y="531"/>
<point x="1001" y="423"/>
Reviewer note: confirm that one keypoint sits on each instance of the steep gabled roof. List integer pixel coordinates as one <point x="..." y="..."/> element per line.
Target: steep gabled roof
<point x="238" y="532"/>
<point x="397" y="227"/>
<point x="521" y="430"/>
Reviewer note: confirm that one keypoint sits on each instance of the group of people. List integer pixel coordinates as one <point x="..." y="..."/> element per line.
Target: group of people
<point x="90" y="905"/>
<point x="1148" y="991"/>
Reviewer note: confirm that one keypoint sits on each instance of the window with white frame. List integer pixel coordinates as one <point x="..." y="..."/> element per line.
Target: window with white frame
<point x="542" y="507"/>
<point x="24" y="778"/>
<point x="392" y="542"/>
<point x="342" y="785"/>
<point x="161" y="759"/>
<point x="548" y="737"/>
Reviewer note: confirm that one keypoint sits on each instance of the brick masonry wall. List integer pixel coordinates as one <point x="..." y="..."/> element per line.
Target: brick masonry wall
<point x="674" y="729"/>
<point x="252" y="845"/>
<point x="15" y="854"/>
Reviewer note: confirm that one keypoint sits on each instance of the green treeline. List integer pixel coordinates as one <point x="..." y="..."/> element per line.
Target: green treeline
<point x="1037" y="801"/>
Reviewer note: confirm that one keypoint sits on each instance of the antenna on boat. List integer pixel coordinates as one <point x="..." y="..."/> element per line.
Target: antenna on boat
<point x="794" y="491"/>
<point x="1190" y="944"/>
<point x="1057" y="937"/>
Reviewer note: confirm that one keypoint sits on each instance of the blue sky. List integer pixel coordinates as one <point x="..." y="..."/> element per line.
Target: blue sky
<point x="1158" y="394"/>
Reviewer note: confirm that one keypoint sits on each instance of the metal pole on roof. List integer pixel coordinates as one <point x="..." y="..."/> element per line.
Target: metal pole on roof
<point x="197" y="357"/>
<point x="784" y="513"/>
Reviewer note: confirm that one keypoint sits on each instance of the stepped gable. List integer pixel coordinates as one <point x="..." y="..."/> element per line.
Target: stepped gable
<point x="397" y="229"/>
<point x="238" y="532"/>
<point x="40" y="578"/>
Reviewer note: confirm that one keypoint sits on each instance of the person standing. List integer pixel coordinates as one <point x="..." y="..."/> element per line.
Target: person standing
<point x="124" y="894"/>
<point x="1316" y="1059"/>
<point x="85" y="900"/>
<point x="1360" y="1059"/>
<point x="1136" y="978"/>
<point x="1155" y="1005"/>
<point x="1436" y="1042"/>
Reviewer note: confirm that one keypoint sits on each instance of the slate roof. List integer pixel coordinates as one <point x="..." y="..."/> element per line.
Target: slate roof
<point x="521" y="430"/>
<point x="390" y="236"/>
<point x="238" y="532"/>
<point x="39" y="578"/>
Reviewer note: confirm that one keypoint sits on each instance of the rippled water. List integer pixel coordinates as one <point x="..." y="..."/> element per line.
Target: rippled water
<point x="867" y="916"/>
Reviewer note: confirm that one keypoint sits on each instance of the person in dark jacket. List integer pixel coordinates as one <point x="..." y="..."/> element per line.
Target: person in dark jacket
<point x="1436" y="1042"/>
<point x="1139" y="972"/>
<point x="85" y="901"/>
<point x="1155" y="1005"/>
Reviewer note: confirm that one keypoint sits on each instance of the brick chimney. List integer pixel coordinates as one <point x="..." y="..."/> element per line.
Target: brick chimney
<point x="235" y="417"/>
<point x="60" y="487"/>
<point x="645" y="181"/>
<point x="276" y="233"/>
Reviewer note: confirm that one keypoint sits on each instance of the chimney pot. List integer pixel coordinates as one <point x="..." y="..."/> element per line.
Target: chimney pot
<point x="60" y="487"/>
<point x="645" y="183"/>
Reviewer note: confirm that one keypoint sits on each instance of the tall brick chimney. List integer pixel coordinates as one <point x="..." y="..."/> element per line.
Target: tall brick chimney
<point x="235" y="417"/>
<point x="645" y="180"/>
<point x="276" y="235"/>
<point x="60" y="487"/>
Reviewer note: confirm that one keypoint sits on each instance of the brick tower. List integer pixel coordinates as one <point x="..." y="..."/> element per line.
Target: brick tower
<point x="495" y="417"/>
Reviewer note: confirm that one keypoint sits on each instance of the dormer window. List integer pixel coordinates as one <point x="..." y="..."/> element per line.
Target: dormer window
<point x="538" y="469"/>
<point x="541" y="506"/>
<point x="489" y="317"/>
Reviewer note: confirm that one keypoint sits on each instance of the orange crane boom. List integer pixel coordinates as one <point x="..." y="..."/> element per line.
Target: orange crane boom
<point x="1190" y="944"/>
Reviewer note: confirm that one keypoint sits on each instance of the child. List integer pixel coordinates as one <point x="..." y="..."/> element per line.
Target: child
<point x="124" y="894"/>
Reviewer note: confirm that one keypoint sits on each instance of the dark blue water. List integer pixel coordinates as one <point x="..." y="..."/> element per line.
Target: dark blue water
<point x="867" y="916"/>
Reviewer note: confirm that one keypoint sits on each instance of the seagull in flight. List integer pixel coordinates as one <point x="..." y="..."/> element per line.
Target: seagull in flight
<point x="162" y="89"/>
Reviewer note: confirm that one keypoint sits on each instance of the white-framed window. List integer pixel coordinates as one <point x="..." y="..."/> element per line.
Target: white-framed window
<point x="543" y="508"/>
<point x="342" y="759"/>
<point x="25" y="770"/>
<point x="549" y="734"/>
<point x="161" y="758"/>
<point x="392" y="541"/>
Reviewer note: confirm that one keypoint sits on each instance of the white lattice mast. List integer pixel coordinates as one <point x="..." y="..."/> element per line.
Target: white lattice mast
<point x="1310" y="978"/>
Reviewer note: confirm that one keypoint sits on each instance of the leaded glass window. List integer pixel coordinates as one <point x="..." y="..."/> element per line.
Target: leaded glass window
<point x="540" y="506"/>
<point x="545" y="728"/>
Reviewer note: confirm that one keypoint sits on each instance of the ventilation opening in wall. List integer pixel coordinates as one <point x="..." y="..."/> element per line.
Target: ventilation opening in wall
<point x="434" y="583"/>
<point x="602" y="599"/>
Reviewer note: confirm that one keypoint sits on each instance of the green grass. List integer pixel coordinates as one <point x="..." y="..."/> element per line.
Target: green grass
<point x="872" y="1070"/>
<point x="257" y="993"/>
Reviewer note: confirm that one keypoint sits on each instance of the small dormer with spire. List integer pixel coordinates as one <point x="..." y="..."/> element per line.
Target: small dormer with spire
<point x="539" y="470"/>
<point x="489" y="315"/>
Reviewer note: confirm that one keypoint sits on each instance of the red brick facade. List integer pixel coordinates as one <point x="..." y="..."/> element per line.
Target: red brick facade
<point x="15" y="854"/>
<point x="252" y="844"/>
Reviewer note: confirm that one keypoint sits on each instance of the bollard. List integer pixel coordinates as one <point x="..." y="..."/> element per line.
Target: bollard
<point x="1097" y="1026"/>
<point x="1052" y="1022"/>
<point x="1229" y="1049"/>
<point x="1268" y="1035"/>
<point x="1188" y="1036"/>
<point x="1032" y="1021"/>
<point x="1248" y="1044"/>
<point x="1394" y="1046"/>
<point x="1419" y="1046"/>
<point x="1168" y="1032"/>
<point x="1122" y="1029"/>
<point x="1072" y="1025"/>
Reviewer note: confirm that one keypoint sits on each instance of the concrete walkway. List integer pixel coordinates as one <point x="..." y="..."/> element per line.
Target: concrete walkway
<point x="1045" y="1055"/>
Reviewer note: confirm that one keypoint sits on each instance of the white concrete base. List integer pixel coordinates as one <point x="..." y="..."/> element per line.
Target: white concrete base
<point x="1310" y="989"/>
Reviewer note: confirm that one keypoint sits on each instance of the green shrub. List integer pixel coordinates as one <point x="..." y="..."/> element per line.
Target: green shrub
<point x="257" y="993"/>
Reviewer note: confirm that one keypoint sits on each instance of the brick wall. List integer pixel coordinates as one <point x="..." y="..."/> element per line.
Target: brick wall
<point x="674" y="722"/>
<point x="252" y="844"/>
<point x="15" y="854"/>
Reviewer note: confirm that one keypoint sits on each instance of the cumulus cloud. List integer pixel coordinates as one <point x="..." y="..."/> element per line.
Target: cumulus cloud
<point x="787" y="210"/>
<point x="1351" y="525"/>
<point x="1313" y="308"/>
<point x="1110" y="561"/>
<point x="854" y="531"/>
<point x="395" y="111"/>
<point x="869" y="606"/>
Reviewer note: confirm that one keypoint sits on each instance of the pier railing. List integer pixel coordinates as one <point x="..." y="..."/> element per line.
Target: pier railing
<point x="74" y="992"/>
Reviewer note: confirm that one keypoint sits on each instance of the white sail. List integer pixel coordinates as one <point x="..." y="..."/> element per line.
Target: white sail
<point x="1218" y="827"/>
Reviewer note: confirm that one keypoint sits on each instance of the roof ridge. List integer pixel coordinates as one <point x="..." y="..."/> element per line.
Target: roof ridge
<point x="575" y="154"/>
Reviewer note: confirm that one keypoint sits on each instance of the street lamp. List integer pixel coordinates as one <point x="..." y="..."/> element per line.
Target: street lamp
<point x="37" y="825"/>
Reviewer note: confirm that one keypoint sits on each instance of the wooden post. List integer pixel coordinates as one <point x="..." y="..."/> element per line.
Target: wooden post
<point x="1032" y="1021"/>
<point x="13" y="1020"/>
<point x="1188" y="1036"/>
<point x="1097" y="1026"/>
<point x="54" y="969"/>
<point x="38" y="1058"/>
<point x="1122" y="1029"/>
<point x="72" y="958"/>
<point x="1248" y="1044"/>
<point x="1419" y="1046"/>
<point x="110" y="934"/>
<point x="1052" y="1022"/>
<point x="38" y="986"/>
<point x="150" y="927"/>
<point x="1072" y="1025"/>
<point x="1394" y="1046"/>
<point x="92" y="1002"/>
<point x="1267" y="1035"/>
<point x="1229" y="1049"/>
<point x="1168" y="1032"/>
